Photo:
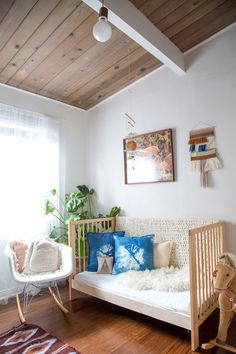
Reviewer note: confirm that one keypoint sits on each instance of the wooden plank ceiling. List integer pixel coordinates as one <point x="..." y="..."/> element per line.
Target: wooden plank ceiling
<point x="46" y="47"/>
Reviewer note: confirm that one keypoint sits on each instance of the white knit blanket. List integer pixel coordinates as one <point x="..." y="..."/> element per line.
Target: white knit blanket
<point x="169" y="279"/>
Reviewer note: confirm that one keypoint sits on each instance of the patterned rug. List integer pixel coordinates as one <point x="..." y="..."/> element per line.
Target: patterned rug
<point x="31" y="339"/>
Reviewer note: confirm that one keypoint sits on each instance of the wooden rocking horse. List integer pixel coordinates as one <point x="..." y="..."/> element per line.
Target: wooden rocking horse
<point x="225" y="283"/>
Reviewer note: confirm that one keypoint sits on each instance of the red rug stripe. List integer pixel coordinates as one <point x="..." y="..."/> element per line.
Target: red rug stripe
<point x="31" y="339"/>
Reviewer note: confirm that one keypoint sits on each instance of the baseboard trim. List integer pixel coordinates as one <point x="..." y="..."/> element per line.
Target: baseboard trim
<point x="9" y="292"/>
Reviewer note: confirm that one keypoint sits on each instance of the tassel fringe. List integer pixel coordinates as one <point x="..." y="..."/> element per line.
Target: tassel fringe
<point x="203" y="174"/>
<point x="205" y="166"/>
<point x="213" y="164"/>
<point x="210" y="165"/>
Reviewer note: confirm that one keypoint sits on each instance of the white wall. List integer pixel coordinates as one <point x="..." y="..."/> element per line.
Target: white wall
<point x="207" y="92"/>
<point x="73" y="130"/>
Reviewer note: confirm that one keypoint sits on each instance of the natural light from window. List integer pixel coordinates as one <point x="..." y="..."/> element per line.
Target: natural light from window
<point x="29" y="162"/>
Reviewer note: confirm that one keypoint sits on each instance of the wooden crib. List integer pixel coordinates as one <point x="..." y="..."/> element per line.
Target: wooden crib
<point x="198" y="246"/>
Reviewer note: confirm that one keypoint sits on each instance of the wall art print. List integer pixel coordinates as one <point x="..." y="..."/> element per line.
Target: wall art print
<point x="149" y="157"/>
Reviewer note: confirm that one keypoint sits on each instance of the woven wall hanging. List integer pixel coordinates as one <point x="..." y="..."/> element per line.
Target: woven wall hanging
<point x="203" y="154"/>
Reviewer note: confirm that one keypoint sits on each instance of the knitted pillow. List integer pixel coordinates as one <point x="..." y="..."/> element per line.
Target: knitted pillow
<point x="43" y="257"/>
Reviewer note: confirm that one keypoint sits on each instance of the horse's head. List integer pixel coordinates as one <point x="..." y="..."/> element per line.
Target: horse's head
<point x="224" y="274"/>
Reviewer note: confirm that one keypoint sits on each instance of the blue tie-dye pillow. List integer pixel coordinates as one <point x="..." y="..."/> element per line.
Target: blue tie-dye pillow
<point x="100" y="244"/>
<point x="133" y="253"/>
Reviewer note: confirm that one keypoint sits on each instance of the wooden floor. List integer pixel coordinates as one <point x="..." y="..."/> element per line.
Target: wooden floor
<point x="97" y="327"/>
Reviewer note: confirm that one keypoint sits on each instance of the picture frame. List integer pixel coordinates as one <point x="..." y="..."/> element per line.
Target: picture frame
<point x="148" y="158"/>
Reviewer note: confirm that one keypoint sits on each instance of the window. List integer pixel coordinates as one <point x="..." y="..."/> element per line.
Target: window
<point x="29" y="168"/>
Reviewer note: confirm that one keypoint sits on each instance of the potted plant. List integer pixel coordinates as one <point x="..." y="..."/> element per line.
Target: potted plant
<point x="76" y="206"/>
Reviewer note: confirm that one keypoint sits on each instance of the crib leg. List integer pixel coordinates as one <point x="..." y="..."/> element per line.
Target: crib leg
<point x="70" y="290"/>
<point x="194" y="338"/>
<point x="73" y="294"/>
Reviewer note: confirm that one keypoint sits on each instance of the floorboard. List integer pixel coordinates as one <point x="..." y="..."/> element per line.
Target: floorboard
<point x="97" y="327"/>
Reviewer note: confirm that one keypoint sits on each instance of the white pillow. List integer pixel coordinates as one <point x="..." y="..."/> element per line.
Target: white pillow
<point x="43" y="257"/>
<point x="161" y="254"/>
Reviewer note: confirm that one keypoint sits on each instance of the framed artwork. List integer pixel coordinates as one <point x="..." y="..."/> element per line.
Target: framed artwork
<point x="149" y="157"/>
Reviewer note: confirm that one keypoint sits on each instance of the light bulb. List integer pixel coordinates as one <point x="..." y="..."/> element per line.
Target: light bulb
<point x="102" y="31"/>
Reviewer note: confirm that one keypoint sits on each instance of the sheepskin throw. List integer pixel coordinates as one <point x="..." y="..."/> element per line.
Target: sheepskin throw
<point x="169" y="279"/>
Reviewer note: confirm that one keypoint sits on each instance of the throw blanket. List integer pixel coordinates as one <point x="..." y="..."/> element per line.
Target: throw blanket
<point x="162" y="279"/>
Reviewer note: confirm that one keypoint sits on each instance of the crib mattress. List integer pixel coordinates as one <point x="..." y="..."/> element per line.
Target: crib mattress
<point x="173" y="301"/>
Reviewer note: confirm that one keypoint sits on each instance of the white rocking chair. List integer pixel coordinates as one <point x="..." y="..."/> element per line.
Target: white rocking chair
<point x="40" y="280"/>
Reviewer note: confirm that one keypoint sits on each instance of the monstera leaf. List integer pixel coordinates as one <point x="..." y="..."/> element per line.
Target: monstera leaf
<point x="76" y="206"/>
<point x="74" y="201"/>
<point x="85" y="191"/>
<point x="114" y="211"/>
<point x="73" y="217"/>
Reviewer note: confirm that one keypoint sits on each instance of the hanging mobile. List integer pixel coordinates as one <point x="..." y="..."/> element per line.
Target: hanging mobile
<point x="131" y="144"/>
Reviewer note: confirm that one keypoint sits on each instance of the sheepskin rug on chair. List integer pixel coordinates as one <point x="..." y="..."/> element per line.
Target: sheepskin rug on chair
<point x="162" y="279"/>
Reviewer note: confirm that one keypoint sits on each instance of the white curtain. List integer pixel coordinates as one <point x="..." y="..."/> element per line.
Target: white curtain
<point x="29" y="169"/>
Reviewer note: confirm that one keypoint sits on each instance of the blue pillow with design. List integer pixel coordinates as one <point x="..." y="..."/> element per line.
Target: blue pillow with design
<point x="133" y="253"/>
<point x="100" y="244"/>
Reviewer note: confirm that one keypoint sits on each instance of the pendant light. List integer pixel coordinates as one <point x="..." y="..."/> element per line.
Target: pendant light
<point x="131" y="143"/>
<point x="102" y="31"/>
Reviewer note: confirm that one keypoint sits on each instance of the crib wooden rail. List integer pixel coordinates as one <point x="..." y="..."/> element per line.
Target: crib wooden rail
<point x="205" y="245"/>
<point x="78" y="241"/>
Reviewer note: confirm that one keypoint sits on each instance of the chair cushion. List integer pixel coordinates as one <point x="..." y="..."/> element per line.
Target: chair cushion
<point x="161" y="254"/>
<point x="42" y="257"/>
<point x="133" y="253"/>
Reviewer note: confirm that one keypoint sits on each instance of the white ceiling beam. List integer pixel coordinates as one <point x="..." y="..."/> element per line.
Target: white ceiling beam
<point x="126" y="17"/>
